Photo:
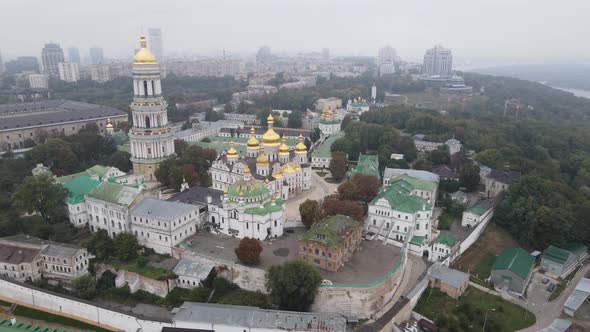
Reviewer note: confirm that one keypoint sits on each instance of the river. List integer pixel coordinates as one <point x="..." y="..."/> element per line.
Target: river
<point x="576" y="92"/>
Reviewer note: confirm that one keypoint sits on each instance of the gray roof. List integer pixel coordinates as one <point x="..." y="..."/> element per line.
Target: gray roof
<point x="504" y="176"/>
<point x="160" y="209"/>
<point x="197" y="196"/>
<point x="448" y="276"/>
<point x="49" y="248"/>
<point x="422" y="175"/>
<point x="253" y="317"/>
<point x="49" y="112"/>
<point x="193" y="269"/>
<point x="558" y="325"/>
<point x="579" y="295"/>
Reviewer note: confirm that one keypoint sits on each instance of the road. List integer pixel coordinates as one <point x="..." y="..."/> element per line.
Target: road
<point x="319" y="190"/>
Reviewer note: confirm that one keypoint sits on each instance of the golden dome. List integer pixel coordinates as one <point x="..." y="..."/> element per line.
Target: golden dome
<point x="225" y="191"/>
<point x="300" y="147"/>
<point x="144" y="56"/>
<point x="297" y="168"/>
<point x="270" y="138"/>
<point x="262" y="159"/>
<point x="232" y="152"/>
<point x="246" y="170"/>
<point x="252" y="141"/>
<point x="284" y="148"/>
<point x="109" y="124"/>
<point x="288" y="169"/>
<point x="278" y="175"/>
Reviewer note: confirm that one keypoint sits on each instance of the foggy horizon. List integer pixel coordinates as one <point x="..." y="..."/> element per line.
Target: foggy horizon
<point x="495" y="33"/>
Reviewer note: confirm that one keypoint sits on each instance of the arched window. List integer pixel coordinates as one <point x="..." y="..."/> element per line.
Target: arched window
<point x="145" y="88"/>
<point x="147" y="121"/>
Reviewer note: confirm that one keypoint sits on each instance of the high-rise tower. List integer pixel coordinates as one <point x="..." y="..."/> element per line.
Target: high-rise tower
<point x="150" y="137"/>
<point x="155" y="35"/>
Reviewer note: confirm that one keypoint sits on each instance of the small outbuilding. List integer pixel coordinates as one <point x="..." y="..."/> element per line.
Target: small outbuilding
<point x="512" y="270"/>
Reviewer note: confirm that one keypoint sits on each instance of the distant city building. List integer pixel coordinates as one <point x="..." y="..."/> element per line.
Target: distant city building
<point x="1" y="65"/>
<point x="252" y="91"/>
<point x="196" y="103"/>
<point x="53" y="117"/>
<point x="387" y="60"/>
<point x="155" y="43"/>
<point x="325" y="54"/>
<point x="438" y="61"/>
<point x="22" y="64"/>
<point x="74" y="55"/>
<point x="207" y="68"/>
<point x="330" y="243"/>
<point x="264" y="56"/>
<point x="261" y="78"/>
<point x="51" y="56"/>
<point x="100" y="73"/>
<point x="69" y="71"/>
<point x="96" y="55"/>
<point x="373" y="94"/>
<point x="38" y="81"/>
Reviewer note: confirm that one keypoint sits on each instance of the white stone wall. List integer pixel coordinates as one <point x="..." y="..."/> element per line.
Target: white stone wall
<point x="77" y="309"/>
<point x="77" y="214"/>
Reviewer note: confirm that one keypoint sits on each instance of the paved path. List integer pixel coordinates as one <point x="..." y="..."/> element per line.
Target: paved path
<point x="553" y="310"/>
<point x="319" y="190"/>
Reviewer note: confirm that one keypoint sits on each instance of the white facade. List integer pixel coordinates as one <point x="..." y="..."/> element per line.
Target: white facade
<point x="438" y="61"/>
<point x="100" y="73"/>
<point x="69" y="71"/>
<point x="474" y="215"/>
<point x="162" y="225"/>
<point x="454" y="146"/>
<point x="151" y="138"/>
<point x="38" y="81"/>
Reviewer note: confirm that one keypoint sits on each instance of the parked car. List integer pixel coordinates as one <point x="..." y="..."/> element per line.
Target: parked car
<point x="545" y="281"/>
<point x="370" y="236"/>
<point x="551" y="287"/>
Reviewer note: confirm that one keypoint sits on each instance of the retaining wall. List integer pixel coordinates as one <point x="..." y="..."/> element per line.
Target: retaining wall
<point x="89" y="312"/>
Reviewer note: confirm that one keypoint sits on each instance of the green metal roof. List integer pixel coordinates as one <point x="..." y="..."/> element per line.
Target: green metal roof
<point x="96" y="171"/>
<point x="328" y="231"/>
<point x="325" y="149"/>
<point x="416" y="183"/>
<point x="516" y="260"/>
<point x="78" y="187"/>
<point x="446" y="239"/>
<point x="576" y="248"/>
<point x="417" y="239"/>
<point x="115" y="193"/>
<point x="368" y="164"/>
<point x="266" y="208"/>
<point x="480" y="207"/>
<point x="249" y="188"/>
<point x="556" y="254"/>
<point x="399" y="194"/>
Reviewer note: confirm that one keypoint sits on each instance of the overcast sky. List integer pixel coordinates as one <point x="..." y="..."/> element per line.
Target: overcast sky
<point x="531" y="31"/>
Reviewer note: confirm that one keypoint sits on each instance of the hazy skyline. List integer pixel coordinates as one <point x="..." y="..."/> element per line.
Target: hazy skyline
<point x="502" y="30"/>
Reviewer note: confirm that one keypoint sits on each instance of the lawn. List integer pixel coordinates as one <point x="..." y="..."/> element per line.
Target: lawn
<point x="480" y="257"/>
<point x="445" y="221"/>
<point x="472" y="310"/>
<point x="55" y="319"/>
<point x="146" y="271"/>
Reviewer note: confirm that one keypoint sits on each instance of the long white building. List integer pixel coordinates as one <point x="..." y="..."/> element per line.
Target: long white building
<point x="438" y="61"/>
<point x="162" y="225"/>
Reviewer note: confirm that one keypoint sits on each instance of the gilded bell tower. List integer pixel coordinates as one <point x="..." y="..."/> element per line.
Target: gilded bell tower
<point x="151" y="138"/>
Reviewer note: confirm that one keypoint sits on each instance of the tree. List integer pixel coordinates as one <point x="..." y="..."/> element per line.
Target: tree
<point x="248" y="251"/>
<point x="333" y="206"/>
<point x="186" y="125"/>
<point x="121" y="160"/>
<point x="41" y="194"/>
<point x="338" y="166"/>
<point x="469" y="177"/>
<point x="293" y="285"/>
<point x="91" y="127"/>
<point x="101" y="245"/>
<point x="440" y="156"/>
<point x="345" y="121"/>
<point x="125" y="246"/>
<point x="361" y="187"/>
<point x="423" y="164"/>
<point x="294" y="120"/>
<point x="310" y="212"/>
<point x="84" y="287"/>
<point x="180" y="146"/>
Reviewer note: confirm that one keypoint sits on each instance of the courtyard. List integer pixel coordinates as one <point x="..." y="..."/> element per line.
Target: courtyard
<point x="372" y="262"/>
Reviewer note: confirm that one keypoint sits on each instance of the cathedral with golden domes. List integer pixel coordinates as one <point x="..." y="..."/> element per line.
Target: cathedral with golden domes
<point x="284" y="170"/>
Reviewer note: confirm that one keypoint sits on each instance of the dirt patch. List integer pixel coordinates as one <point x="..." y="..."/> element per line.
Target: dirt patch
<point x="479" y="256"/>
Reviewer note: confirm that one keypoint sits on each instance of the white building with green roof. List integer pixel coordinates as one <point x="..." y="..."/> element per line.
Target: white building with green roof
<point x="249" y="208"/>
<point x="108" y="207"/>
<point x="479" y="212"/>
<point x="321" y="156"/>
<point x="560" y="262"/>
<point x="402" y="212"/>
<point x="445" y="245"/>
<point x="77" y="188"/>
